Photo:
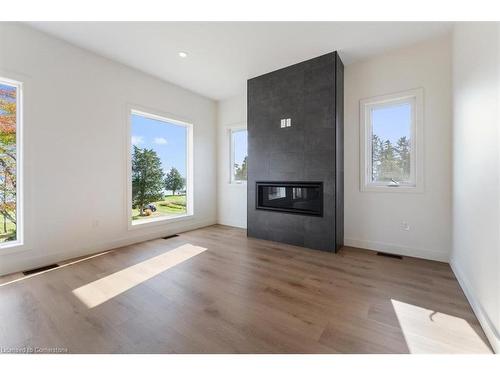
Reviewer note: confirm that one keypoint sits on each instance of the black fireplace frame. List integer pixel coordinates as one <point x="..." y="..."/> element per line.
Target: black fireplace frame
<point x="290" y="184"/>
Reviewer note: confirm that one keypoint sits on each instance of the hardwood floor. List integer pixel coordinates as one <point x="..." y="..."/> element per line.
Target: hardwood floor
<point x="213" y="290"/>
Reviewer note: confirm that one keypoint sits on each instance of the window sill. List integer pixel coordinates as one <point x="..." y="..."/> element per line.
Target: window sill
<point x="242" y="183"/>
<point x="391" y="189"/>
<point x="12" y="247"/>
<point x="157" y="221"/>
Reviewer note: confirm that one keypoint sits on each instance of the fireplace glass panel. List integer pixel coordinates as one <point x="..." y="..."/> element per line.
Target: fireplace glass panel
<point x="294" y="197"/>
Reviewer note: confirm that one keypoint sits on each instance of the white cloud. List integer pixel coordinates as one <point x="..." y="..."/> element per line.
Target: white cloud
<point x="160" y="141"/>
<point x="137" y="140"/>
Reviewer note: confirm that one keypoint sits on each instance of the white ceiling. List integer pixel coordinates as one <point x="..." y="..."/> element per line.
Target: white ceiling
<point x="223" y="55"/>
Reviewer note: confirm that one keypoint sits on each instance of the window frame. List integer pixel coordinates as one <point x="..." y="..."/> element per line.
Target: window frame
<point x="173" y="119"/>
<point x="416" y="99"/>
<point x="19" y="242"/>
<point x="231" y="131"/>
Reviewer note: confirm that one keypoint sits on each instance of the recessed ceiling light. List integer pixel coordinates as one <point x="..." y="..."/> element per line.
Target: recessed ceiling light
<point x="183" y="54"/>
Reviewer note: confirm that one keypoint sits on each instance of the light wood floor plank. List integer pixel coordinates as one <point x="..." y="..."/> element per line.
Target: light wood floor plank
<point x="213" y="290"/>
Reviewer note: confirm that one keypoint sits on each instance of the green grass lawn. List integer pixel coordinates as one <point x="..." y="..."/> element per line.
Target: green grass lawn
<point x="172" y="205"/>
<point x="11" y="227"/>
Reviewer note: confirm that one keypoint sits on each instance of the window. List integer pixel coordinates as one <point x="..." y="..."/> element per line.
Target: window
<point x="10" y="163"/>
<point x="391" y="128"/>
<point x="238" y="155"/>
<point x="160" y="172"/>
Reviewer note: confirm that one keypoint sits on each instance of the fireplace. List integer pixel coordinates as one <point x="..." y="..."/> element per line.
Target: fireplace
<point x="305" y="198"/>
<point x="284" y="203"/>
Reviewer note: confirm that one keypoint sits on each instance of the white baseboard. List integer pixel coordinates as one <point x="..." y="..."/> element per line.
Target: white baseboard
<point x="397" y="249"/>
<point x="230" y="223"/>
<point x="488" y="327"/>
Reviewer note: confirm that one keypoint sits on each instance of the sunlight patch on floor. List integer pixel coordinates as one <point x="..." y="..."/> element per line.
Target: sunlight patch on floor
<point x="102" y="290"/>
<point x="428" y="331"/>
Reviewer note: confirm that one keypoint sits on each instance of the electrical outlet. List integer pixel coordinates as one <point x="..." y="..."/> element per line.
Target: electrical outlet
<point x="95" y="223"/>
<point x="405" y="226"/>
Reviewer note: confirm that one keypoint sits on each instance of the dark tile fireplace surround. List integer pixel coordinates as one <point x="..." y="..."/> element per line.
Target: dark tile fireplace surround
<point x="295" y="154"/>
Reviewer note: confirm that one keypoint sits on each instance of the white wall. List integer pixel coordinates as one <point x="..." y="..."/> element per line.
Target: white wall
<point x="75" y="155"/>
<point x="476" y="170"/>
<point x="373" y="220"/>
<point x="231" y="198"/>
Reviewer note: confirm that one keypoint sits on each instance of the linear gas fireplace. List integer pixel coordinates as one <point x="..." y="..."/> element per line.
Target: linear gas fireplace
<point x="304" y="198"/>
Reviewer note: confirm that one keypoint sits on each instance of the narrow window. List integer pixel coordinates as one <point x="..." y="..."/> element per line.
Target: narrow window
<point x="160" y="170"/>
<point x="390" y="135"/>
<point x="239" y="155"/>
<point x="10" y="164"/>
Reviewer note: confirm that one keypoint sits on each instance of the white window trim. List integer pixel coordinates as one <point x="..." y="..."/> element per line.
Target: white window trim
<point x="230" y="132"/>
<point x="19" y="242"/>
<point x="417" y="158"/>
<point x="161" y="116"/>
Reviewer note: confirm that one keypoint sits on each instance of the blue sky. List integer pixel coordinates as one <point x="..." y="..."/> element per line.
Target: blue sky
<point x="392" y="122"/>
<point x="240" y="146"/>
<point x="167" y="139"/>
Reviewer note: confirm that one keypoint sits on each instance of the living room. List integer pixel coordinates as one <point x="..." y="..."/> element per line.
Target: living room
<point x="250" y="187"/>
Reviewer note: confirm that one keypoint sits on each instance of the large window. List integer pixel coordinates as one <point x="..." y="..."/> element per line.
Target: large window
<point x="391" y="129"/>
<point x="239" y="155"/>
<point x="160" y="168"/>
<point x="10" y="175"/>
